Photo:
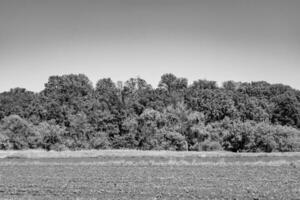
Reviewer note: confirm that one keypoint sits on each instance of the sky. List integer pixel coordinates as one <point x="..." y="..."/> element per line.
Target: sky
<point x="240" y="40"/>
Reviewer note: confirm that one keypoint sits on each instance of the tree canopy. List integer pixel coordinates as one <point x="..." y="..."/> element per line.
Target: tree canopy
<point x="70" y="113"/>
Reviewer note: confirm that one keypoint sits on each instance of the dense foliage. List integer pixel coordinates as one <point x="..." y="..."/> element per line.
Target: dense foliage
<point x="71" y="114"/>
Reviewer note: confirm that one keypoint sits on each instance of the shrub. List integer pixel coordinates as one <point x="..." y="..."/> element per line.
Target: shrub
<point x="175" y="141"/>
<point x="100" y="141"/>
<point x="79" y="127"/>
<point x="270" y="138"/>
<point x="239" y="136"/>
<point x="78" y="132"/>
<point x="58" y="147"/>
<point x="4" y="142"/>
<point x="19" y="132"/>
<point x="260" y="137"/>
<point x="210" y="146"/>
<point x="207" y="145"/>
<point x="51" y="136"/>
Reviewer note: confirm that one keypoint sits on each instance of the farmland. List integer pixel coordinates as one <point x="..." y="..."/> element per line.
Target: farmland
<point x="148" y="175"/>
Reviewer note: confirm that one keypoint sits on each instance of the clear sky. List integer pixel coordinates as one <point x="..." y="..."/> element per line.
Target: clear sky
<point x="241" y="40"/>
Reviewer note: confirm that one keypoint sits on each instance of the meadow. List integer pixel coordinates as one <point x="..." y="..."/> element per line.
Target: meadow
<point x="131" y="174"/>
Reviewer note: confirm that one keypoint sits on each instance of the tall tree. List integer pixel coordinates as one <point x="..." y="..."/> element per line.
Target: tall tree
<point x="175" y="87"/>
<point x="17" y="101"/>
<point x="286" y="110"/>
<point x="64" y="95"/>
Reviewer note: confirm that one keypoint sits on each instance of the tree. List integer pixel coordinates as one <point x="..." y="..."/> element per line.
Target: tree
<point x="66" y="95"/>
<point x="251" y="108"/>
<point x="258" y="89"/>
<point x="171" y="83"/>
<point x="70" y="113"/>
<point x="107" y="92"/>
<point x="67" y="86"/>
<point x="129" y="134"/>
<point x="215" y="105"/>
<point x="150" y="121"/>
<point x="231" y="85"/>
<point x="286" y="110"/>
<point x="17" y="101"/>
<point x="137" y="94"/>
<point x="175" y="88"/>
<point x="204" y="84"/>
<point x="79" y="131"/>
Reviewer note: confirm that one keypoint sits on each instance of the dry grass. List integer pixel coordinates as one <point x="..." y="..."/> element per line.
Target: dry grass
<point x="127" y="163"/>
<point x="133" y="153"/>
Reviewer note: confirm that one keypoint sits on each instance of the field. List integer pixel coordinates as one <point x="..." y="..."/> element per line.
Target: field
<point x="148" y="175"/>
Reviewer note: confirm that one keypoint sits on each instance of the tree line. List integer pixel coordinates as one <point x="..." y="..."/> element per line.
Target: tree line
<point x="70" y="113"/>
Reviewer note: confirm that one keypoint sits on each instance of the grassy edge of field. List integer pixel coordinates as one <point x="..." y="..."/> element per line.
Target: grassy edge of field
<point x="146" y="158"/>
<point x="133" y="153"/>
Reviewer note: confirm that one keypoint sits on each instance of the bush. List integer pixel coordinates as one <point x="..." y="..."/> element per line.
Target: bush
<point x="175" y="141"/>
<point x="239" y="136"/>
<point x="168" y="140"/>
<point x="270" y="138"/>
<point x="260" y="137"/>
<point x="58" y="147"/>
<point x="78" y="132"/>
<point x="51" y="136"/>
<point x="207" y="145"/>
<point x="100" y="141"/>
<point x="20" y="133"/>
<point x="4" y="142"/>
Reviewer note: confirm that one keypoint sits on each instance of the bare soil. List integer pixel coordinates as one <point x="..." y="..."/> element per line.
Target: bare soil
<point x="151" y="177"/>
